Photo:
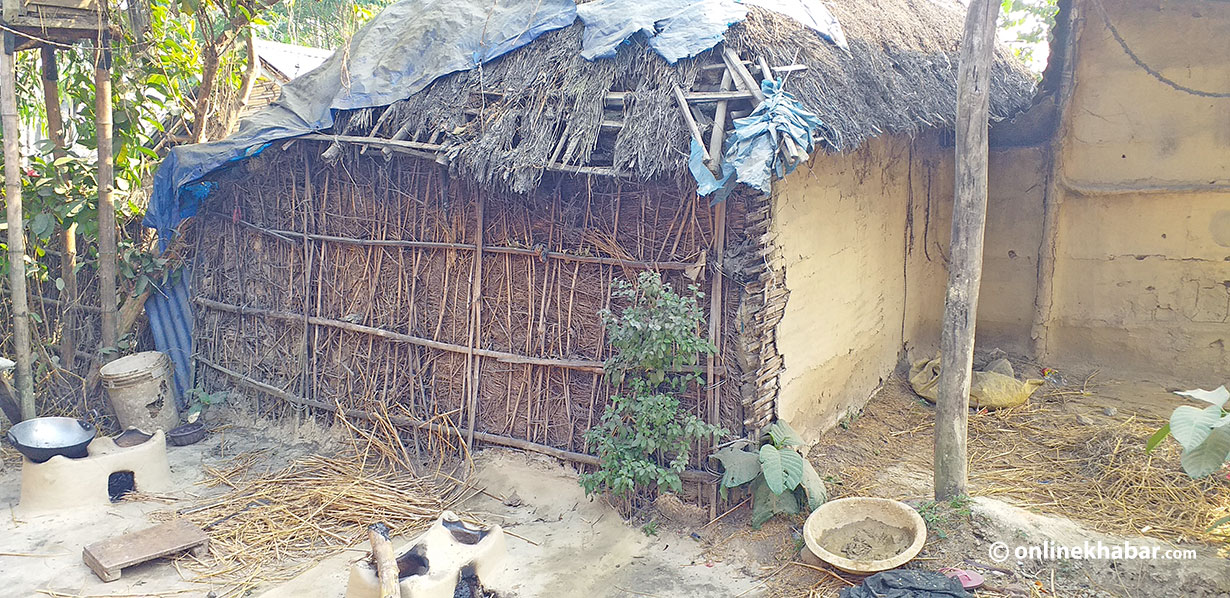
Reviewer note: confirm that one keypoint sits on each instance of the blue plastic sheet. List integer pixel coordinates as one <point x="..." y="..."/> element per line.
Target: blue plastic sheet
<point x="751" y="155"/>
<point x="811" y="14"/>
<point x="676" y="29"/>
<point x="679" y="29"/>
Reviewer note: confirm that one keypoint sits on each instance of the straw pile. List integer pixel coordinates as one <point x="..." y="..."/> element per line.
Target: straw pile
<point x="269" y="528"/>
<point x="1052" y="456"/>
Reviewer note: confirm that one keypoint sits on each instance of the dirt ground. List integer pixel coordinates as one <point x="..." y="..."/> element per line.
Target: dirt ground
<point x="1034" y="471"/>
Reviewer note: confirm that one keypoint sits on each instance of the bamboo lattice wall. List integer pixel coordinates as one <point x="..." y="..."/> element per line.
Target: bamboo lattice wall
<point x="349" y="287"/>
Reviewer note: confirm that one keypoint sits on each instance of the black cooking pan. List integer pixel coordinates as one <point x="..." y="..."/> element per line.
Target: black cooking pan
<point x="42" y="438"/>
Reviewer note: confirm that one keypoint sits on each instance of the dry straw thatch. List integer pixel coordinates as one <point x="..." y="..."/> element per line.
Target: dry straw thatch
<point x="545" y="107"/>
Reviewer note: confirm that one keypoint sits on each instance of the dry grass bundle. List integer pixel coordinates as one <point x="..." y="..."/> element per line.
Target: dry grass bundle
<point x="269" y="528"/>
<point x="1061" y="458"/>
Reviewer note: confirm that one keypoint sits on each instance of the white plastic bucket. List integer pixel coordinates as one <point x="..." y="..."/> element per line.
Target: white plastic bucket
<point x="142" y="391"/>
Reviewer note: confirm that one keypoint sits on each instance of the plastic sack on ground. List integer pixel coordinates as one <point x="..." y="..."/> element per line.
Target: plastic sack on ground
<point x="995" y="387"/>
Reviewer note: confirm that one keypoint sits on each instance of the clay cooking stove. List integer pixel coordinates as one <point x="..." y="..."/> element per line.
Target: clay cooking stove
<point x="112" y="467"/>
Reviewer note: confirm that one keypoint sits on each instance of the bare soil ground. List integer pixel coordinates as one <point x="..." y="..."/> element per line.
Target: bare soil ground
<point x="1066" y="469"/>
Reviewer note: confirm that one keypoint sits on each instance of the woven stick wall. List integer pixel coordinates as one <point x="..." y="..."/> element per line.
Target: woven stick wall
<point x="350" y="287"/>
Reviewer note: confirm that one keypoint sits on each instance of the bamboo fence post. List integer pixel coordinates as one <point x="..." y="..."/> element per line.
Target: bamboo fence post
<point x="965" y="270"/>
<point x="476" y="321"/>
<point x="106" y="207"/>
<point x="16" y="228"/>
<point x="716" y="139"/>
<point x="68" y="258"/>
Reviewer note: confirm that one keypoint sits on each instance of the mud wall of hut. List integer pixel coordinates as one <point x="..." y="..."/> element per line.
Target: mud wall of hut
<point x="1141" y="275"/>
<point x="863" y="240"/>
<point x="351" y="287"/>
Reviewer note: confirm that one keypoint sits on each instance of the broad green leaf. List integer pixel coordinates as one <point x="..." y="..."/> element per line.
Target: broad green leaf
<point x="766" y="503"/>
<point x="783" y="435"/>
<point x="1157" y="438"/>
<point x="740" y="466"/>
<point x="1218" y="396"/>
<point x="1209" y="456"/>
<point x="1191" y="426"/>
<point x="792" y="466"/>
<point x="817" y="494"/>
<point x="1218" y="523"/>
<point x="771" y="465"/>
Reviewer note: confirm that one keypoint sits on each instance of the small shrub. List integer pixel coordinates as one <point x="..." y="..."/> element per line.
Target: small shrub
<point x="644" y="440"/>
<point x="782" y="480"/>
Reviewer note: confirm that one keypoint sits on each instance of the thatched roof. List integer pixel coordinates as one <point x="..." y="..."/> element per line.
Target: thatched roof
<point x="544" y="107"/>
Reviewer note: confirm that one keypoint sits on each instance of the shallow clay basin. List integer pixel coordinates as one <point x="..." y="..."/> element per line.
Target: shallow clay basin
<point x="861" y="521"/>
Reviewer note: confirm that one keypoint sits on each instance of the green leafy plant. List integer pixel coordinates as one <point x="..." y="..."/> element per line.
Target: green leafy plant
<point x="781" y="479"/>
<point x="199" y="400"/>
<point x="1203" y="433"/>
<point x="644" y="439"/>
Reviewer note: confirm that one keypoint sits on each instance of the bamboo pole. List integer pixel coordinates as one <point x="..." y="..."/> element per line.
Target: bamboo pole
<point x="68" y="259"/>
<point x="965" y="270"/>
<point x="716" y="313"/>
<point x="476" y="321"/>
<point x="106" y="207"/>
<point x="16" y="229"/>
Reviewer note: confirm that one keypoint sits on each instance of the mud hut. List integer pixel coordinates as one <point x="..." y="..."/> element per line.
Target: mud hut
<point x="440" y="258"/>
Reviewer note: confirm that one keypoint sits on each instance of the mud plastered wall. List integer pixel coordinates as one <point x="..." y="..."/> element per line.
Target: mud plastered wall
<point x="864" y="239"/>
<point x="1142" y="250"/>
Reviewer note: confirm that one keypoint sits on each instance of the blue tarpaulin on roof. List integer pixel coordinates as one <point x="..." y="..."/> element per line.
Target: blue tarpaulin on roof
<point x="751" y="154"/>
<point x="675" y="28"/>
<point x="678" y="29"/>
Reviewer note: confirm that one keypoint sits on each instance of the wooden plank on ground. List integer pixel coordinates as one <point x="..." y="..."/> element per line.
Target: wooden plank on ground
<point x="108" y="557"/>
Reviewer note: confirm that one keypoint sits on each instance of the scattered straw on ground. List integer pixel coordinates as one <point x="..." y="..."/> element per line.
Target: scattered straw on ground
<point x="269" y="527"/>
<point x="1057" y="454"/>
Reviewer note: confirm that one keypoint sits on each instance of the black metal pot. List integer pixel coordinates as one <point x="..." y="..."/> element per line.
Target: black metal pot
<point x="42" y="438"/>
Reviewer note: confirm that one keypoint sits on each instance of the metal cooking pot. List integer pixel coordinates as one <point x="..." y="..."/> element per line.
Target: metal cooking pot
<point x="42" y="438"/>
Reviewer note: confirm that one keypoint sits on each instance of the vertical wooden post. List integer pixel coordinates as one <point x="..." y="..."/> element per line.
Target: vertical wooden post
<point x="68" y="257"/>
<point x="476" y="322"/>
<point x="106" y="207"/>
<point x="716" y="138"/>
<point x="969" y="215"/>
<point x="16" y="227"/>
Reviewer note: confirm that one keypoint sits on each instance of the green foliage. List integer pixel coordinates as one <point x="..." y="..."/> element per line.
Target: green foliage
<point x="651" y="528"/>
<point x="320" y="23"/>
<point x="199" y="400"/>
<point x="643" y="439"/>
<point x="1025" y="25"/>
<point x="1204" y="433"/>
<point x="781" y="479"/>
